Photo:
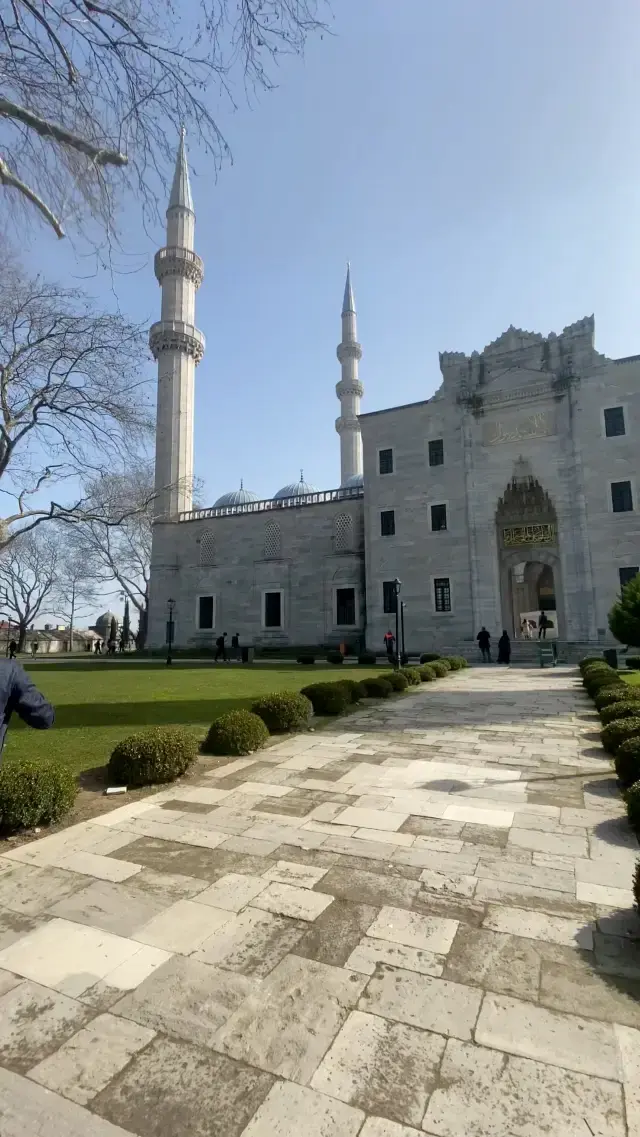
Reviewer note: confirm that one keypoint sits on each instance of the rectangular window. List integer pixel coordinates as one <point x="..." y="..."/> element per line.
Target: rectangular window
<point x="273" y="609"/>
<point x="205" y="613"/>
<point x="438" y="518"/>
<point x="385" y="461"/>
<point x="442" y="594"/>
<point x="614" y="422"/>
<point x="627" y="574"/>
<point x="621" y="499"/>
<point x="387" y="523"/>
<point x="436" y="452"/>
<point x="345" y="607"/>
<point x="388" y="596"/>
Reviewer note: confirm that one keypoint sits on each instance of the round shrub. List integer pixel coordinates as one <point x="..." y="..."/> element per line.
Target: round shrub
<point x="590" y="659"/>
<point x="456" y="662"/>
<point x="378" y="688"/>
<point x="412" y="675"/>
<point x="397" y="679"/>
<point x="34" y="793"/>
<point x="427" y="674"/>
<point x="428" y="657"/>
<point x="236" y="732"/>
<point x="367" y="659"/>
<point x="595" y="670"/>
<point x="632" y="802"/>
<point x="352" y="687"/>
<point x="445" y="663"/>
<point x="327" y="698"/>
<point x="440" y="668"/>
<point x="283" y="711"/>
<point x="617" y="732"/>
<point x="627" y="762"/>
<point x="335" y="657"/>
<point x="633" y="662"/>
<point x="594" y="681"/>
<point x="306" y="659"/>
<point x="626" y="710"/>
<point x="620" y="693"/>
<point x="362" y="689"/>
<point x="156" y="755"/>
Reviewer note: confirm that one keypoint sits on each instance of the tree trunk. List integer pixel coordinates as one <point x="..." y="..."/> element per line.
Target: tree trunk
<point x="22" y="636"/>
<point x="143" y="627"/>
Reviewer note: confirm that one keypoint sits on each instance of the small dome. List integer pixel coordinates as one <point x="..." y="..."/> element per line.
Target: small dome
<point x="295" y="489"/>
<point x="106" y="618"/>
<point x="355" y="481"/>
<point x="236" y="497"/>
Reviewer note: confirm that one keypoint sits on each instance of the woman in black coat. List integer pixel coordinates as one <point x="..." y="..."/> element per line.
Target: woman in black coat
<point x="504" y="648"/>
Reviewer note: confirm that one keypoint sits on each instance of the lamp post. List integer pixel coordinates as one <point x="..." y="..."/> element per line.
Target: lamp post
<point x="397" y="585"/>
<point x="402" y="651"/>
<point x="171" y="605"/>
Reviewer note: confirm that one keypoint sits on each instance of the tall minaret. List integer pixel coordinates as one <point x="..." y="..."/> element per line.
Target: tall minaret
<point x="178" y="347"/>
<point x="349" y="390"/>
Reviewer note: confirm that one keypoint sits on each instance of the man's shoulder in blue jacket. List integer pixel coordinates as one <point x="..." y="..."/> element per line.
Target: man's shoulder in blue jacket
<point x="19" y="695"/>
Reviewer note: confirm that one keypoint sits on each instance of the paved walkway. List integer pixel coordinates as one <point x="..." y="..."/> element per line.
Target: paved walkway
<point x="419" y="924"/>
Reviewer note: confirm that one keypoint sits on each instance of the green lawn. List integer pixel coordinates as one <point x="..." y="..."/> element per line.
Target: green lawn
<point x="99" y="702"/>
<point x="632" y="677"/>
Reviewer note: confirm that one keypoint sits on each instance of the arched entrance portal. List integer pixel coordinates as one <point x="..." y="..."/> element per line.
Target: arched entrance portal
<point x="529" y="563"/>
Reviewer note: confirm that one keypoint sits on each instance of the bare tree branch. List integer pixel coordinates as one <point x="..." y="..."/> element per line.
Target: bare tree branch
<point x="28" y="573"/>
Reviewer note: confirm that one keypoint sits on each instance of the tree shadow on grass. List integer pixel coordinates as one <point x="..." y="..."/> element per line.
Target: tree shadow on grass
<point x="159" y="713"/>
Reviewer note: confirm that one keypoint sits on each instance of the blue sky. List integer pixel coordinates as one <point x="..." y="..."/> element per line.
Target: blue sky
<point x="478" y="163"/>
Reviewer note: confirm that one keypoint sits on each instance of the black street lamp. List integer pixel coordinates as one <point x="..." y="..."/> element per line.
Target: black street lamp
<point x="397" y="585"/>
<point x="171" y="605"/>
<point x="403" y="653"/>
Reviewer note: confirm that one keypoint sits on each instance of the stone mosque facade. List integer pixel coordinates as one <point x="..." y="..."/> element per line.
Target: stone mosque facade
<point x="513" y="488"/>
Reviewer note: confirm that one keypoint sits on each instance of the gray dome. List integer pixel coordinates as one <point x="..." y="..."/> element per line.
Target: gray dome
<point x="355" y="481"/>
<point x="295" y="489"/>
<point x="236" y="497"/>
<point x="106" y="618"/>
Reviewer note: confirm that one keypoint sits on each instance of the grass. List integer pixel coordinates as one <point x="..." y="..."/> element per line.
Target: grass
<point x="99" y="702"/>
<point x="632" y="677"/>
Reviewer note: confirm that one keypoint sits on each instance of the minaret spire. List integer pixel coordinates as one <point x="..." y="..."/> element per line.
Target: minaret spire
<point x="349" y="390"/>
<point x="178" y="346"/>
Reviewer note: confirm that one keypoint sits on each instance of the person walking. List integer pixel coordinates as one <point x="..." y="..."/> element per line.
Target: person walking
<point x="34" y="648"/>
<point x="13" y="649"/>
<point x="390" y="645"/>
<point x="18" y="694"/>
<point x="484" y="643"/>
<point x="221" y="650"/>
<point x="543" y="624"/>
<point x="504" y="648"/>
<point x="235" y="645"/>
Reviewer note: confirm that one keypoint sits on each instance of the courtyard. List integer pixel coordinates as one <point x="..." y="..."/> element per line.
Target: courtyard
<point x="416" y="921"/>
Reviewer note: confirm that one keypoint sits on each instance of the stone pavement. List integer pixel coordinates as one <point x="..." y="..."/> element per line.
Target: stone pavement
<point x="419" y="924"/>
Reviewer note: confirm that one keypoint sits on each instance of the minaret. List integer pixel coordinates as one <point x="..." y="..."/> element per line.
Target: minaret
<point x="349" y="390"/>
<point x="178" y="347"/>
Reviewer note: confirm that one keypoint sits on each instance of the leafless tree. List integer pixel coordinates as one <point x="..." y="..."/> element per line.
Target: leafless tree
<point x="92" y="94"/>
<point x="75" y="591"/>
<point x="27" y="579"/>
<point x="73" y="399"/>
<point x="117" y="537"/>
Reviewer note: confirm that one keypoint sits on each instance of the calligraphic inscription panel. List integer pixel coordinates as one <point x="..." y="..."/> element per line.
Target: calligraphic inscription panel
<point x="515" y="535"/>
<point x="519" y="429"/>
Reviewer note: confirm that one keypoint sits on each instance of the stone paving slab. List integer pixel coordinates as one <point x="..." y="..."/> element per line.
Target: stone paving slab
<point x="419" y="925"/>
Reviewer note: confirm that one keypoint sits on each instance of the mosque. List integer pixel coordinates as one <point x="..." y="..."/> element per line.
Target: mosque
<point x="513" y="489"/>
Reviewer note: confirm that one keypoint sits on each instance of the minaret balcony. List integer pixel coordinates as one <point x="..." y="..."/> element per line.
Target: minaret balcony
<point x="345" y="423"/>
<point x="347" y="350"/>
<point x="351" y="386"/>
<point x="176" y="261"/>
<point x="174" y="335"/>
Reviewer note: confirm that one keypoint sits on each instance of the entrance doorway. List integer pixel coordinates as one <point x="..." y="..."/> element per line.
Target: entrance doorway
<point x="533" y="592"/>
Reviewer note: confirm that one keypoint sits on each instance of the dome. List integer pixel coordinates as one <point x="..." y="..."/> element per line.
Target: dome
<point x="236" y="497"/>
<point x="106" y="618"/>
<point x="354" y="482"/>
<point x="295" y="489"/>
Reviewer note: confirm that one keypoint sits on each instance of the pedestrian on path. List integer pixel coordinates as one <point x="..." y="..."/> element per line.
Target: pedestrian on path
<point x="504" y="648"/>
<point x="221" y="652"/>
<point x="484" y="643"/>
<point x="19" y="694"/>
<point x="543" y="624"/>
<point x="390" y="645"/>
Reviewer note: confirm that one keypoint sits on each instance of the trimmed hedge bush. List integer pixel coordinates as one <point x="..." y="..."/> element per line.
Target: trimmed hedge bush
<point x="440" y="667"/>
<point x="633" y="662"/>
<point x="427" y="673"/>
<point x="283" y="711"/>
<point x="412" y="675"/>
<point x="362" y="688"/>
<point x="156" y="755"/>
<point x="627" y="762"/>
<point x="397" y="679"/>
<point x="236" y="732"/>
<point x="377" y="687"/>
<point x="456" y="662"/>
<point x="632" y="802"/>
<point x="367" y="659"/>
<point x="327" y="698"/>
<point x="590" y="659"/>
<point x="352" y="687"/>
<point x="34" y="793"/>
<point x="335" y="657"/>
<point x="307" y="660"/>
<point x="620" y="693"/>
<point x="625" y="710"/>
<point x="428" y="657"/>
<point x="617" y="732"/>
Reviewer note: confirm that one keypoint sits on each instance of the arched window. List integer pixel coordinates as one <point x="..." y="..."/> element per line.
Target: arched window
<point x="343" y="533"/>
<point x="272" y="540"/>
<point x="207" y="548"/>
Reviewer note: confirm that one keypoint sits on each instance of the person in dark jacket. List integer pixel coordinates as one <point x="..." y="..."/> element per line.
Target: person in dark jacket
<point x="18" y="694"/>
<point x="484" y="643"/>
<point x="504" y="648"/>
